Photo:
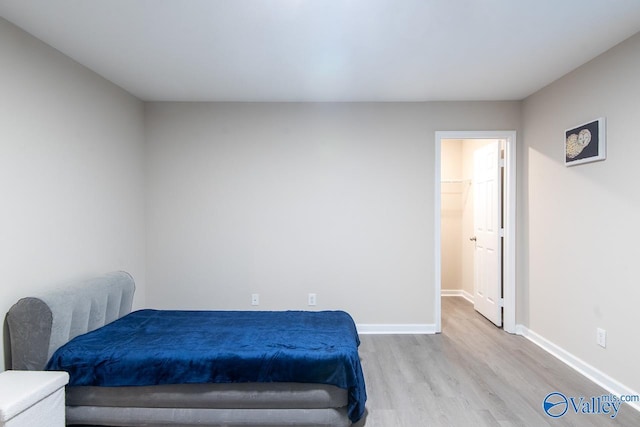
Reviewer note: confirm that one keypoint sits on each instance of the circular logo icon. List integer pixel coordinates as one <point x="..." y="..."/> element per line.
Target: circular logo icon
<point x="555" y="404"/>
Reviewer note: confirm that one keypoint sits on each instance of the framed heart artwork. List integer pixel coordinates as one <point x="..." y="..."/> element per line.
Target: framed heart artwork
<point x="585" y="143"/>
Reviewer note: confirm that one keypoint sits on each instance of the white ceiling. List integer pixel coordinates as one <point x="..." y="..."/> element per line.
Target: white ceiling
<point x="328" y="50"/>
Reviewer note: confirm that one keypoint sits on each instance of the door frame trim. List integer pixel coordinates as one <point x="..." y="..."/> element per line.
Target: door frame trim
<point x="509" y="209"/>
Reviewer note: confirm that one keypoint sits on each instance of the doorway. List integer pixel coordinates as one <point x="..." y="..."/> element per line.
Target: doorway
<point x="454" y="187"/>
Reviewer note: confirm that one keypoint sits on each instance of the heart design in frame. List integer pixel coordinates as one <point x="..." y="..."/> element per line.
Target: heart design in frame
<point x="576" y="143"/>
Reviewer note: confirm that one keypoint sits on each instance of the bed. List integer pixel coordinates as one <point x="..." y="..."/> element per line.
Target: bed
<point x="236" y="368"/>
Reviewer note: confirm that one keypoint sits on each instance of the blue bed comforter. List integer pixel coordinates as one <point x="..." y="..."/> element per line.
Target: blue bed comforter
<point x="151" y="347"/>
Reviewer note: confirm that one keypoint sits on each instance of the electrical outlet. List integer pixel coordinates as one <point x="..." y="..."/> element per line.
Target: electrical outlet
<point x="312" y="299"/>
<point x="255" y="299"/>
<point x="601" y="337"/>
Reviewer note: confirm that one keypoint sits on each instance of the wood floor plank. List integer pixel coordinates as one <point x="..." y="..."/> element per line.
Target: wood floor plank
<point x="473" y="374"/>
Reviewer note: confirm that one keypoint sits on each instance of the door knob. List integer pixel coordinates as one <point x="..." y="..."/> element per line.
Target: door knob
<point x="473" y="239"/>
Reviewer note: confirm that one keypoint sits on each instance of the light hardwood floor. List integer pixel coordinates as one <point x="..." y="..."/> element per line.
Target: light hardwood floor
<point x="472" y="374"/>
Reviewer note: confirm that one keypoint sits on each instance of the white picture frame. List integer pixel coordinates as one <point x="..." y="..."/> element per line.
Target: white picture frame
<point x="585" y="143"/>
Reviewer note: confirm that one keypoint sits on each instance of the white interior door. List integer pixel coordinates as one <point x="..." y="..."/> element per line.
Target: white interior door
<point x="487" y="224"/>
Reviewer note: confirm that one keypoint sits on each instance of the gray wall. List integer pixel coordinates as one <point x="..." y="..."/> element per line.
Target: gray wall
<point x="71" y="171"/>
<point x="287" y="199"/>
<point x="580" y="240"/>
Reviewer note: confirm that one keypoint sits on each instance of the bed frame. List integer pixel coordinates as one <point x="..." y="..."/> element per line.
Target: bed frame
<point x="38" y="326"/>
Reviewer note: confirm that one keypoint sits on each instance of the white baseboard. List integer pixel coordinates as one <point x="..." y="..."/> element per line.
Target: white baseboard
<point x="603" y="380"/>
<point x="381" y="329"/>
<point x="457" y="293"/>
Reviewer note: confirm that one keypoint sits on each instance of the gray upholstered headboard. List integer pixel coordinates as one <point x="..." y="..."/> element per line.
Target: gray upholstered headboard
<point x="38" y="326"/>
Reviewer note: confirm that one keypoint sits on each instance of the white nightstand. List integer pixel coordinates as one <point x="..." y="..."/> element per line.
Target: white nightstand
<point x="32" y="398"/>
